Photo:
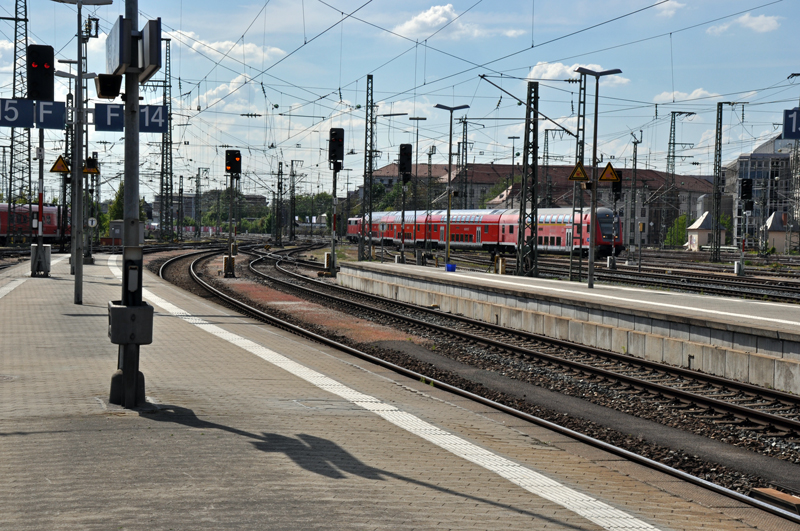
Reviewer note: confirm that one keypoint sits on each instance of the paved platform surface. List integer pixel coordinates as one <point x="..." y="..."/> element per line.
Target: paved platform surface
<point x="748" y="313"/>
<point x="253" y="428"/>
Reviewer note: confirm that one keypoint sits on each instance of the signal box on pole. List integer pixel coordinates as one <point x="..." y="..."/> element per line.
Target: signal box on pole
<point x="233" y="161"/>
<point x="41" y="72"/>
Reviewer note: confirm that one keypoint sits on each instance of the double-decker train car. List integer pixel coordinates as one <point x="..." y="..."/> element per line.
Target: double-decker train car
<point x="493" y="230"/>
<point x="21" y="222"/>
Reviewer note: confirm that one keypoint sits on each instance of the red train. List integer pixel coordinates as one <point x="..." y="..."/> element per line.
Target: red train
<point x="22" y="223"/>
<point x="493" y="230"/>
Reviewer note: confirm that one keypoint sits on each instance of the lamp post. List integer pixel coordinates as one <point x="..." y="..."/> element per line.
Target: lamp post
<point x="593" y="218"/>
<point x="511" y="183"/>
<point x="449" y="173"/>
<point x="416" y="119"/>
<point x="77" y="162"/>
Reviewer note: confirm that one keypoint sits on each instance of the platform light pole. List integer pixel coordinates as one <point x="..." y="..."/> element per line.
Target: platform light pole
<point x="77" y="160"/>
<point x="593" y="218"/>
<point x="449" y="174"/>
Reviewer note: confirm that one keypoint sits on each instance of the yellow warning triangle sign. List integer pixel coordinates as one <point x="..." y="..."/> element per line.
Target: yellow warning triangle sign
<point x="609" y="174"/>
<point x="90" y="170"/>
<point x="60" y="166"/>
<point x="578" y="173"/>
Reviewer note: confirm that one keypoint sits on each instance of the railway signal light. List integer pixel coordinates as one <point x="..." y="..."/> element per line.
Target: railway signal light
<point x="41" y="72"/>
<point x="233" y="161"/>
<point x="336" y="145"/>
<point x="404" y="162"/>
<point x="747" y="189"/>
<point x="616" y="189"/>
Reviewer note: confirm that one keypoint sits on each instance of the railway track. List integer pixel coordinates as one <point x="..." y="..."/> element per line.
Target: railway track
<point x="724" y="401"/>
<point x="671" y="397"/>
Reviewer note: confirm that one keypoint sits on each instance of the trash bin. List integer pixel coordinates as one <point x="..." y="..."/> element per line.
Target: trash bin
<point x="450" y="268"/>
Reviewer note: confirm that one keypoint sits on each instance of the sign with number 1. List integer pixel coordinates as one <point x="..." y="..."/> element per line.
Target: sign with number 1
<point x="791" y="124"/>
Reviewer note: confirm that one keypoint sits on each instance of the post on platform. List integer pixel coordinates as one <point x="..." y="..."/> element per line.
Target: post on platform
<point x="40" y="254"/>
<point x="233" y="167"/>
<point x="335" y="161"/>
<point x="130" y="319"/>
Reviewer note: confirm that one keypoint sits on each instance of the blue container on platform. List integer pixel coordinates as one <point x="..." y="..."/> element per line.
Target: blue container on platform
<point x="450" y="268"/>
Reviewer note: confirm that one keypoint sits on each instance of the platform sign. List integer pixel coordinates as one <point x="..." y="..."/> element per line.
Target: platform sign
<point x="109" y="117"/>
<point x="51" y="114"/>
<point x="118" y="47"/>
<point x="153" y="119"/>
<point x="578" y="173"/>
<point x="16" y="113"/>
<point x="609" y="174"/>
<point x="791" y="124"/>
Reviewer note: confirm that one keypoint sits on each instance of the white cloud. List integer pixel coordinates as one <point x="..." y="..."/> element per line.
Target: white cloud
<point x="666" y="97"/>
<point x="759" y="24"/>
<point x="562" y="71"/>
<point x="718" y="30"/>
<point x="424" y="24"/>
<point x="250" y="53"/>
<point x="668" y="9"/>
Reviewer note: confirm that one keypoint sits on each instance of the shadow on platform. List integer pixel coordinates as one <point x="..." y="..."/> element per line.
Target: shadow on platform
<point x="321" y="456"/>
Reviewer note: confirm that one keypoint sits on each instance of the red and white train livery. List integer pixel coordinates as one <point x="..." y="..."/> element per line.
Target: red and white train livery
<point x="22" y="222"/>
<point x="493" y="230"/>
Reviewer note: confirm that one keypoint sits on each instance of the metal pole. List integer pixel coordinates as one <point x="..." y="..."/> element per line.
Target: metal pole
<point x="77" y="172"/>
<point x="333" y="221"/>
<point x="593" y="217"/>
<point x="449" y="188"/>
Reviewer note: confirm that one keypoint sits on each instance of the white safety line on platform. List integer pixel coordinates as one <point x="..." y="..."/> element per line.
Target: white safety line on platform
<point x="617" y="299"/>
<point x="594" y="510"/>
<point x="18" y="281"/>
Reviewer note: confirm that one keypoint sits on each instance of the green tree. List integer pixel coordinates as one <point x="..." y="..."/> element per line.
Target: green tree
<point x="676" y="235"/>
<point x="727" y="224"/>
<point x="391" y="200"/>
<point x="116" y="210"/>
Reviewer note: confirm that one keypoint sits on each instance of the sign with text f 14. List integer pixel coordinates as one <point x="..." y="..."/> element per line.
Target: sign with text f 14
<point x="109" y="117"/>
<point x="791" y="124"/>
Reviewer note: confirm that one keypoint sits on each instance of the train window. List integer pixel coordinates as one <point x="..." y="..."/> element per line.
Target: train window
<point x="561" y="218"/>
<point x="511" y="229"/>
<point x="541" y="219"/>
<point x="486" y="229"/>
<point x="558" y="241"/>
<point x="503" y="229"/>
<point x="540" y="240"/>
<point x="552" y="240"/>
<point x="470" y="238"/>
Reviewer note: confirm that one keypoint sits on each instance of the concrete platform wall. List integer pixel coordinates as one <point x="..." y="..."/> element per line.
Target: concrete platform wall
<point x="753" y="357"/>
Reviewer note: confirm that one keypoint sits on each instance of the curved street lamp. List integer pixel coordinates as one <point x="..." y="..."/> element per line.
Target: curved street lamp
<point x="449" y="173"/>
<point x="593" y="218"/>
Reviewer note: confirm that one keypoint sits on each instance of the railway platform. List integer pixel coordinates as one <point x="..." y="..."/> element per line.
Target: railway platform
<point x="250" y="427"/>
<point x="748" y="340"/>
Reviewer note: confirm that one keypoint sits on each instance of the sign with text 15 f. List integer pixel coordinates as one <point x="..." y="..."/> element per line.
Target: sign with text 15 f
<point x="110" y="117"/>
<point x="25" y="113"/>
<point x="791" y="124"/>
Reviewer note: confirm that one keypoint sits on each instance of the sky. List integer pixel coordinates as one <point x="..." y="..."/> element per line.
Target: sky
<point x="270" y="78"/>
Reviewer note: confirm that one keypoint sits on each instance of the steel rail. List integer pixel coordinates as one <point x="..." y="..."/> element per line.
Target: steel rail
<point x="757" y="416"/>
<point x="771" y="394"/>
